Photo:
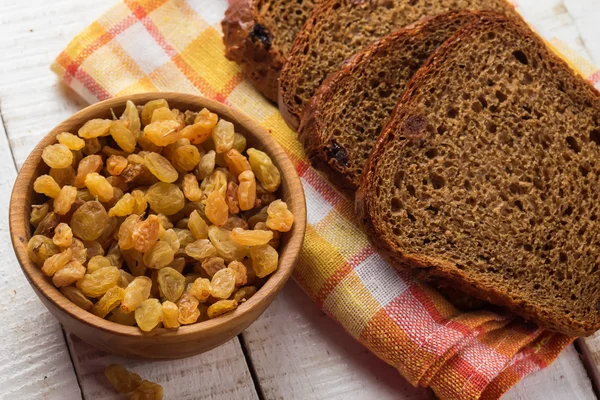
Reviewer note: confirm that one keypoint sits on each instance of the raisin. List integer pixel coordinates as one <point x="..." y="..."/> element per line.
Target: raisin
<point x="109" y="301"/>
<point x="149" y="314"/>
<point x="264" y="260"/>
<point x="191" y="189"/>
<point x="99" y="186"/>
<point x="201" y="289"/>
<point x="98" y="282"/>
<point x="146" y="233"/>
<point x="159" y="256"/>
<point x="136" y="293"/>
<point x="40" y="248"/>
<point x="170" y="314"/>
<point x="160" y="167"/>
<point x="244" y="293"/>
<point x="71" y="141"/>
<point x="87" y="165"/>
<point x="200" y="249"/>
<point x="89" y="221"/>
<point x="122" y="380"/>
<point x="171" y="283"/>
<point x="222" y="283"/>
<point x="75" y="295"/>
<point x="56" y="262"/>
<point x="45" y="184"/>
<point x="38" y="213"/>
<point x="65" y="200"/>
<point x="95" y="128"/>
<point x="116" y="164"/>
<point x="63" y="235"/>
<point x="246" y="192"/>
<point x="221" y="307"/>
<point x="264" y="170"/>
<point x="165" y="198"/>
<point x="57" y="156"/>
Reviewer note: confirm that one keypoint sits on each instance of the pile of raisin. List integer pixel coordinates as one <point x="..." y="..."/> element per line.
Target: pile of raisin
<point x="131" y="384"/>
<point x="160" y="218"/>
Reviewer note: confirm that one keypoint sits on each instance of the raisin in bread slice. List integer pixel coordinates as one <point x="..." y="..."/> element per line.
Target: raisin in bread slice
<point x="341" y="123"/>
<point x="487" y="177"/>
<point x="258" y="35"/>
<point x="336" y="29"/>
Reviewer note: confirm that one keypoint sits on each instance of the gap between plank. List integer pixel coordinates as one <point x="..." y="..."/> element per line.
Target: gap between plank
<point x="255" y="380"/>
<point x="62" y="328"/>
<point x="12" y="154"/>
<point x="588" y="363"/>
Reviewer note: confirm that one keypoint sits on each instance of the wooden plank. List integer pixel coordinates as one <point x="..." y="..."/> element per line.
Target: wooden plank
<point x="564" y="379"/>
<point x="34" y="360"/>
<point x="218" y="374"/>
<point x="298" y="352"/>
<point x="593" y="343"/>
<point x="32" y="34"/>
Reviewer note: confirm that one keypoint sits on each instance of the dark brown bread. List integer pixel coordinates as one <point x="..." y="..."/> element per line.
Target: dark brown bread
<point x="336" y="29"/>
<point x="486" y="177"/>
<point x="258" y="35"/>
<point x="342" y="121"/>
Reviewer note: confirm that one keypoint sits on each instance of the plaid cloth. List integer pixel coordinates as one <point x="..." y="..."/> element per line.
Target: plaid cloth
<point x="176" y="45"/>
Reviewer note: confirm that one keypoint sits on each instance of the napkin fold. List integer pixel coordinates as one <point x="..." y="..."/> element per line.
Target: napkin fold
<point x="176" y="45"/>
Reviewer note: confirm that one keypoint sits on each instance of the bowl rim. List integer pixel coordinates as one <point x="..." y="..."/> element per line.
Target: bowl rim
<point x="19" y="221"/>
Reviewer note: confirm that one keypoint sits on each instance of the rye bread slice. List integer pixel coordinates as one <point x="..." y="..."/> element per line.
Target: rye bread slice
<point x="258" y="35"/>
<point x="342" y="121"/>
<point x="336" y="29"/>
<point x="487" y="177"/>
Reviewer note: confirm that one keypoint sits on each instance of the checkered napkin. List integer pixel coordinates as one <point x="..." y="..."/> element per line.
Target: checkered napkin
<point x="176" y="45"/>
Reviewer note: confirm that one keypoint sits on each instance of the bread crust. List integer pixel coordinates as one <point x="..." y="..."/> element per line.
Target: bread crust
<point x="249" y="43"/>
<point x="326" y="10"/>
<point x="436" y="268"/>
<point x="317" y="138"/>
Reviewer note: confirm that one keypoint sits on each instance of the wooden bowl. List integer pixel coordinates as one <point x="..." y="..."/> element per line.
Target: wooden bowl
<point x="160" y="343"/>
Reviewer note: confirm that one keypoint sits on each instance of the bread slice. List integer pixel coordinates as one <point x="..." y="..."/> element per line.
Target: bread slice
<point x="341" y="123"/>
<point x="336" y="29"/>
<point x="487" y="177"/>
<point x="258" y="35"/>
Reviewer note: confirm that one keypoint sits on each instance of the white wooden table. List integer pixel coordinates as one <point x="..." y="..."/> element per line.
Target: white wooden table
<point x="293" y="351"/>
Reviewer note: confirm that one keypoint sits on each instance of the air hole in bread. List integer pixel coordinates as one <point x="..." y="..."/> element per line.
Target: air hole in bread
<point x="521" y="57"/>
<point x="501" y="96"/>
<point x="432" y="209"/>
<point x="452" y="113"/>
<point x="568" y="211"/>
<point x="519" y="204"/>
<point x="528" y="247"/>
<point x="477" y="107"/>
<point x="483" y="101"/>
<point x="573" y="145"/>
<point x="562" y="257"/>
<point x="441" y="130"/>
<point x="527" y="78"/>
<point x="490" y="82"/>
<point x="411" y="217"/>
<point x="398" y="178"/>
<point x="437" y="181"/>
<point x="595" y="136"/>
<point x="411" y="190"/>
<point x="396" y="204"/>
<point x="584" y="171"/>
<point x="491" y="127"/>
<point x="431" y="153"/>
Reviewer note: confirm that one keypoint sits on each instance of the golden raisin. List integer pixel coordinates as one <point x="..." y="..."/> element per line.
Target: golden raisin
<point x="264" y="260"/>
<point x="146" y="233"/>
<point x="216" y="209"/>
<point x="99" y="186"/>
<point x="123" y="207"/>
<point x="222" y="283"/>
<point x="165" y="198"/>
<point x="140" y="201"/>
<point x="136" y="293"/>
<point x="221" y="307"/>
<point x="160" y="167"/>
<point x="56" y="262"/>
<point x="170" y="314"/>
<point x="251" y="238"/>
<point x="191" y="189"/>
<point x="38" y="212"/>
<point x="239" y="269"/>
<point x="57" y="156"/>
<point x="97" y="262"/>
<point x="244" y="293"/>
<point x="236" y="162"/>
<point x="149" y="314"/>
<point x="232" y="198"/>
<point x="71" y="141"/>
<point x="246" y="191"/>
<point x="65" y="199"/>
<point x="279" y="217"/>
<point x="150" y="107"/>
<point x="197" y="226"/>
<point x="99" y="281"/>
<point x="116" y="164"/>
<point x="223" y="136"/>
<point x="201" y="129"/>
<point x="126" y="231"/>
<point x="159" y="256"/>
<point x="95" y="128"/>
<point x="226" y="248"/>
<point x="264" y="170"/>
<point x="162" y="133"/>
<point x="109" y="301"/>
<point x="63" y="236"/>
<point x="201" y="289"/>
<point x="171" y="283"/>
<point x="206" y="165"/>
<point x="147" y="391"/>
<point x="122" y="380"/>
<point x="185" y="158"/>
<point x="89" y="221"/>
<point x="188" y="307"/>
<point x="200" y="249"/>
<point x="45" y="184"/>
<point x="132" y="117"/>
